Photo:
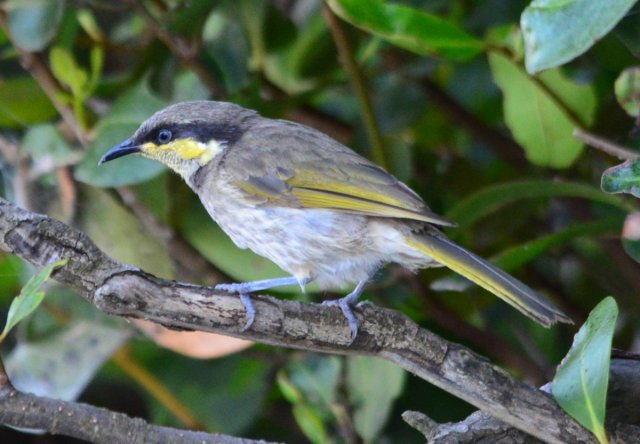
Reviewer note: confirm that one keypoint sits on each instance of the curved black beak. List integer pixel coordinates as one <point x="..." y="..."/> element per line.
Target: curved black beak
<point x="123" y="149"/>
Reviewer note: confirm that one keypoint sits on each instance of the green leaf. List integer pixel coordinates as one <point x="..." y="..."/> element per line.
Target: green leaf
<point x="580" y="384"/>
<point x="311" y="424"/>
<point x="126" y="114"/>
<point x="627" y="88"/>
<point x="374" y="384"/>
<point x="87" y="20"/>
<point x="33" y="23"/>
<point x="62" y="365"/>
<point x="67" y="71"/>
<point x="542" y="112"/>
<point x="623" y="178"/>
<point x="288" y="390"/>
<point x="317" y="378"/>
<point x="22" y="102"/>
<point x="557" y="31"/>
<point x="311" y="385"/>
<point x="96" y="63"/>
<point x="409" y="28"/>
<point x="29" y="298"/>
<point x="492" y="198"/>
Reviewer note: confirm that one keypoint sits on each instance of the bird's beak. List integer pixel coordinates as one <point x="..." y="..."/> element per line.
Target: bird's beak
<point x="123" y="149"/>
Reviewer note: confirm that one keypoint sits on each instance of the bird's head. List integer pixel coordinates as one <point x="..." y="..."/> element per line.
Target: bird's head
<point x="187" y="135"/>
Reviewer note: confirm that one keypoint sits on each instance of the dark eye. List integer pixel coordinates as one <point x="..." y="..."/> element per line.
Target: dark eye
<point x="164" y="136"/>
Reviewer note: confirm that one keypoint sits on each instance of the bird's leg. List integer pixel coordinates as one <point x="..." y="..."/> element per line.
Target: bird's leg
<point x="246" y="288"/>
<point x="347" y="303"/>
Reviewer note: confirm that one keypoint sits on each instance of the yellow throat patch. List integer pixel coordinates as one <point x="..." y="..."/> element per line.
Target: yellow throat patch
<point x="185" y="149"/>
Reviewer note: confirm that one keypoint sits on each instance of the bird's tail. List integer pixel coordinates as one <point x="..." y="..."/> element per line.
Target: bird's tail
<point x="489" y="277"/>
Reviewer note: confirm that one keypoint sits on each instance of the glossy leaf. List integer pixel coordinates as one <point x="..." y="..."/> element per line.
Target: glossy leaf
<point x="374" y="385"/>
<point x="623" y="178"/>
<point x="543" y="112"/>
<point x="126" y="114"/>
<point x="33" y="23"/>
<point x="557" y="31"/>
<point x="409" y="28"/>
<point x="492" y="198"/>
<point x="29" y="298"/>
<point x="581" y="381"/>
<point x="627" y="89"/>
<point x="22" y="102"/>
<point x="62" y="365"/>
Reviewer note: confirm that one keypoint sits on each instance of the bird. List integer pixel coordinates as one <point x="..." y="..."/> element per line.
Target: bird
<point x="310" y="204"/>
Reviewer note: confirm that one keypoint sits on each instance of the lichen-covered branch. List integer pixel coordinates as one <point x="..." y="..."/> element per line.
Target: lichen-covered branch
<point x="124" y="290"/>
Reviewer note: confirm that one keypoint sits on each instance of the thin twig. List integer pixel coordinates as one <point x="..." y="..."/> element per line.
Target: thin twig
<point x="605" y="145"/>
<point x="359" y="85"/>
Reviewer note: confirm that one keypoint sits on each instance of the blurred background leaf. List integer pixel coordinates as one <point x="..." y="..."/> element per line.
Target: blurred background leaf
<point x="580" y="383"/>
<point x="557" y="31"/>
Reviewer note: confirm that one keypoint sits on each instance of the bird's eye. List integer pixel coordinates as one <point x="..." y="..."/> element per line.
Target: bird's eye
<point x="164" y="136"/>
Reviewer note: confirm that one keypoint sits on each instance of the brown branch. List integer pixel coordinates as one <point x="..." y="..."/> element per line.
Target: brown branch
<point x="622" y="414"/>
<point x="605" y="145"/>
<point x="122" y="290"/>
<point x="91" y="423"/>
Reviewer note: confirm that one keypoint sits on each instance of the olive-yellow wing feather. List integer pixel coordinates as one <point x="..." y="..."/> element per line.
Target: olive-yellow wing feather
<point x="311" y="170"/>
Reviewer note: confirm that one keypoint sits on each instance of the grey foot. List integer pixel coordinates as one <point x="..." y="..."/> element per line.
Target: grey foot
<point x="243" y="289"/>
<point x="346" y="306"/>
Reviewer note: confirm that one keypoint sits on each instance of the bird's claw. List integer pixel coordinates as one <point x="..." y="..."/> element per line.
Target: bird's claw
<point x="345" y="305"/>
<point x="245" y="298"/>
<point x="250" y="311"/>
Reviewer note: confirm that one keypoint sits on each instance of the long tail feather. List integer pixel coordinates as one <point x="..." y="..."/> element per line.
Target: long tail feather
<point x="489" y="277"/>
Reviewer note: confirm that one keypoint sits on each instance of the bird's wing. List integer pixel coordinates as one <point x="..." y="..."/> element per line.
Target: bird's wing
<point x="294" y="166"/>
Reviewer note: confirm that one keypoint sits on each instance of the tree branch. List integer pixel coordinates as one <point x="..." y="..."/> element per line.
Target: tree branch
<point x="126" y="291"/>
<point x="623" y="416"/>
<point x="91" y="423"/>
